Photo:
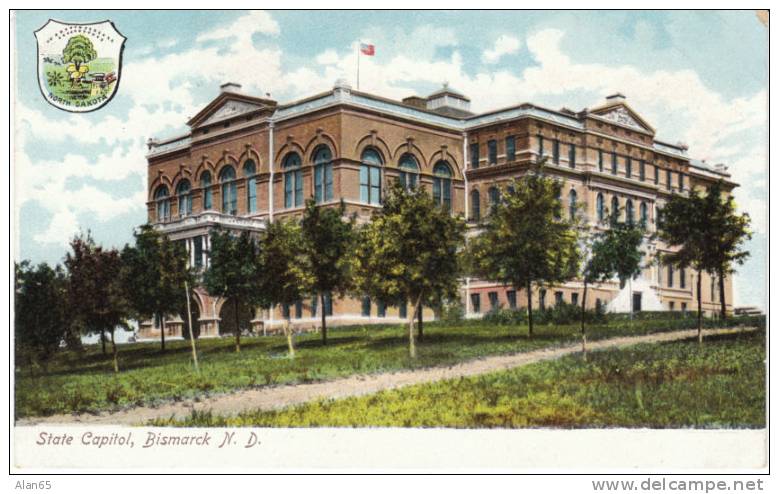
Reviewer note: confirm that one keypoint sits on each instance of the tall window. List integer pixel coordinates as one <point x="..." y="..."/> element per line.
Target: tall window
<point x="370" y="177"/>
<point x="572" y="205"/>
<point x="475" y="205"/>
<point x="205" y="184"/>
<point x="250" y="172"/>
<point x="474" y="155"/>
<point x="163" y="203"/>
<point x="642" y="170"/>
<point x="644" y="213"/>
<point x="229" y="190"/>
<point x="556" y="151"/>
<point x="511" y="296"/>
<point x="409" y="171"/>
<point x="668" y="183"/>
<point x="600" y="160"/>
<point x="476" y="302"/>
<point x="511" y="148"/>
<point x="493" y="297"/>
<point x="442" y="185"/>
<point x="540" y="146"/>
<point x="613" y="163"/>
<point x="600" y="207"/>
<point x="628" y="167"/>
<point x="657" y="175"/>
<point x="184" y="197"/>
<point x="492" y="151"/>
<point x="366" y="306"/>
<point x="323" y="174"/>
<point x="494" y="196"/>
<point x="293" y="180"/>
<point x="681" y="181"/>
<point x="682" y="280"/>
<point x="572" y="155"/>
<point x="615" y="207"/>
<point x="670" y="276"/>
<point x="629" y="211"/>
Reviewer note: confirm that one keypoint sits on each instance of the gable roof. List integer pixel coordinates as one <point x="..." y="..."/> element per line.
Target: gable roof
<point x="228" y="105"/>
<point x="621" y="113"/>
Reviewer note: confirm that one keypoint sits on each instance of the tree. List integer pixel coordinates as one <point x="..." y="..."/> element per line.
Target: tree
<point x="409" y="251"/>
<point x="233" y="272"/>
<point x="41" y="316"/>
<point x="613" y="252"/>
<point x="727" y="231"/>
<point x="327" y="244"/>
<point x="79" y="51"/>
<point x="285" y="274"/>
<point x="526" y="240"/>
<point x="96" y="294"/>
<point x="154" y="276"/>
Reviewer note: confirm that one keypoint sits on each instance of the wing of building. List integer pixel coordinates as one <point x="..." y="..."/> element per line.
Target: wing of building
<point x="247" y="160"/>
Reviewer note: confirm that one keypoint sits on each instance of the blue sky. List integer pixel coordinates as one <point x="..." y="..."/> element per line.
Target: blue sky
<point x="697" y="77"/>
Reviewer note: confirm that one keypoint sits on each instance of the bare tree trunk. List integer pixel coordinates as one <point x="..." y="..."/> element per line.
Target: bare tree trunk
<point x="324" y="318"/>
<point x="420" y="333"/>
<point x="290" y="341"/>
<point x="237" y="326"/>
<point x="723" y="308"/>
<point x="529" y="310"/>
<point x="162" y="333"/>
<point x="700" y="313"/>
<point x="116" y="353"/>
<point x="412" y="348"/>
<point x="584" y="334"/>
<point x="191" y="328"/>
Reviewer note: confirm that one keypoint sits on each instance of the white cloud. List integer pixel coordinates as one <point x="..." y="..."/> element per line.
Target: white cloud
<point x="504" y="45"/>
<point x="243" y="28"/>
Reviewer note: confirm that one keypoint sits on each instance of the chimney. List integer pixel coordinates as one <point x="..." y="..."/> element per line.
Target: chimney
<point x="721" y="167"/>
<point x="615" y="98"/>
<point x="230" y="87"/>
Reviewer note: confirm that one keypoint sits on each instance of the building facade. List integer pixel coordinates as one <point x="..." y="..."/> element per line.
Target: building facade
<point x="248" y="160"/>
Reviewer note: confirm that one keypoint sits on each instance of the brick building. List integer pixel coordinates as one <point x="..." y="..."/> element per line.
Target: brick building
<point x="248" y="160"/>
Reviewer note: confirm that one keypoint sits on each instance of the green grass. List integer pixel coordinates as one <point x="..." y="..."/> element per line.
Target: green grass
<point x="66" y="90"/>
<point x="667" y="385"/>
<point x="86" y="383"/>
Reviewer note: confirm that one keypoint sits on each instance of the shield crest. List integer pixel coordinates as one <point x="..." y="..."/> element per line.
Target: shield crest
<point x="79" y="65"/>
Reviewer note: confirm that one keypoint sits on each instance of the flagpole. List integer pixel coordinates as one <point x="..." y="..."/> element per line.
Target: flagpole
<point x="359" y="44"/>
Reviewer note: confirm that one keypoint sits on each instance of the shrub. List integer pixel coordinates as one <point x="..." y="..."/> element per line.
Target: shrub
<point x="505" y="317"/>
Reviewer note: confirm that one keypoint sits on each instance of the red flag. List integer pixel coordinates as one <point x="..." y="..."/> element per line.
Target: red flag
<point x="366" y="49"/>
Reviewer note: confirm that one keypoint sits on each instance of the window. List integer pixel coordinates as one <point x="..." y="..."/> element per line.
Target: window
<point x="600" y="206"/>
<point x="229" y="190"/>
<point x="572" y="205"/>
<point x="613" y="163"/>
<point x="328" y="304"/>
<point x="163" y="203"/>
<point x="556" y="151"/>
<point x="475" y="205"/>
<point x="542" y="299"/>
<point x="381" y="309"/>
<point x="494" y="196"/>
<point x="298" y="309"/>
<point x="558" y="298"/>
<point x="442" y="185"/>
<point x="670" y="276"/>
<point x="314" y="304"/>
<point x="403" y="310"/>
<point x="366" y="306"/>
<point x="598" y="304"/>
<point x="476" y="302"/>
<point x="684" y="307"/>
<point x="185" y="199"/>
<point x="205" y="184"/>
<point x="323" y="174"/>
<point x="198" y="246"/>
<point x="615" y="208"/>
<point x="474" y="151"/>
<point x="628" y="167"/>
<point x="671" y="306"/>
<point x="714" y="289"/>
<point x="511" y="296"/>
<point x="285" y="311"/>
<point x="370" y="177"/>
<point x="668" y="183"/>
<point x="575" y="298"/>
<point x="643" y="211"/>
<point x="540" y="146"/>
<point x="293" y="181"/>
<point x="681" y="181"/>
<point x="492" y="151"/>
<point x="629" y="211"/>
<point x="409" y="171"/>
<point x="572" y="156"/>
<point x="657" y="175"/>
<point x="682" y="280"/>
<point x="600" y="160"/>
<point x="511" y="148"/>
<point x="493" y="296"/>
<point x="249" y="171"/>
<point x="642" y="170"/>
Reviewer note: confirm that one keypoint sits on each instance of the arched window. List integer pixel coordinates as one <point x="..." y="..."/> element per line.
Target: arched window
<point x="442" y="185"/>
<point x="370" y="176"/>
<point x="229" y="190"/>
<point x="293" y="181"/>
<point x="185" y="199"/>
<point x="161" y="196"/>
<point x="409" y="171"/>
<point x="475" y="205"/>
<point x="572" y="205"/>
<point x="644" y="213"/>
<point x="600" y="207"/>
<point x="323" y="174"/>
<point x="205" y="184"/>
<point x="250" y="171"/>
<point x="494" y="196"/>
<point x="615" y="208"/>
<point x="629" y="217"/>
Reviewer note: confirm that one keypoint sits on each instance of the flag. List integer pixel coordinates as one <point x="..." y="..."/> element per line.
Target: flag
<point x="367" y="49"/>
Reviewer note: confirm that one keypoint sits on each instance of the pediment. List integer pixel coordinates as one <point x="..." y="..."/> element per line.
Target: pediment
<point x="623" y="115"/>
<point x="228" y="106"/>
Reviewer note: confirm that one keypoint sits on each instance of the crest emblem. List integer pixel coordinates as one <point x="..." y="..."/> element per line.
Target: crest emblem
<point x="79" y="65"/>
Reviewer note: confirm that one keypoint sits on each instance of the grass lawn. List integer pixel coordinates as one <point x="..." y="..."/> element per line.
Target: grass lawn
<point x="86" y="383"/>
<point x="667" y="385"/>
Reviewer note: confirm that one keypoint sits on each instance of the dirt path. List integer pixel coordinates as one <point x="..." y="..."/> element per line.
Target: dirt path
<point x="286" y="395"/>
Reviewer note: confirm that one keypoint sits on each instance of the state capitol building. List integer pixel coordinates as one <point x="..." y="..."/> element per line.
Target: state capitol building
<point x="248" y="160"/>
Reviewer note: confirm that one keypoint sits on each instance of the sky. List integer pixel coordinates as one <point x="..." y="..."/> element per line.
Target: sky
<point x="698" y="77"/>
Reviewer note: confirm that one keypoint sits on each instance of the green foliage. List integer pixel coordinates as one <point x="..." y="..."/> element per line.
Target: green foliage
<point x="615" y="251"/>
<point x="79" y="50"/>
<point x="54" y="79"/>
<point x="666" y="385"/>
<point x="41" y="312"/>
<point x="286" y="274"/>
